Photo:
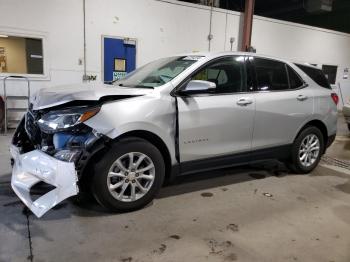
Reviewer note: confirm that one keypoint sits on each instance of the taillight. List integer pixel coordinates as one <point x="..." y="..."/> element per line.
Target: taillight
<point x="335" y="98"/>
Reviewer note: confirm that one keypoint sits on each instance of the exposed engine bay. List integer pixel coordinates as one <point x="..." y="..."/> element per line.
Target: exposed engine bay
<point x="58" y="132"/>
<point x="53" y="146"/>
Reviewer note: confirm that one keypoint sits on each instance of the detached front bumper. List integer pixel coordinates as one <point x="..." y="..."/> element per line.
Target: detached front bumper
<point x="35" y="166"/>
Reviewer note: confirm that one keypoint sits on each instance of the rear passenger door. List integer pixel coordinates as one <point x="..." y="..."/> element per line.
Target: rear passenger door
<point x="283" y="103"/>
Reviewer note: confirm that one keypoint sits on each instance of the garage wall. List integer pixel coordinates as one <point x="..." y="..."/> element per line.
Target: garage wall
<point x="59" y="24"/>
<point x="161" y="28"/>
<point x="304" y="44"/>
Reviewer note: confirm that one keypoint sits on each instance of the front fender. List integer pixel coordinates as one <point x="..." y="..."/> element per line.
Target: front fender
<point x="146" y="113"/>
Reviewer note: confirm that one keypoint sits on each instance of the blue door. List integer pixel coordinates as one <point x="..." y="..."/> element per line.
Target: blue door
<point x="119" y="58"/>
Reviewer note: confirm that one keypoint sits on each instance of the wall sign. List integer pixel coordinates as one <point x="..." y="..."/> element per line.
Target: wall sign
<point x="118" y="75"/>
<point x="119" y="64"/>
<point x="119" y="71"/>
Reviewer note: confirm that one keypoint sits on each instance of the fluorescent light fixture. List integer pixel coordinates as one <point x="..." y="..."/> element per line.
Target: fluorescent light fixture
<point x="4" y="35"/>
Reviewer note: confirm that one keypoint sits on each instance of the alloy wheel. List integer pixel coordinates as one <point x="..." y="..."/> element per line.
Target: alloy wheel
<point x="309" y="150"/>
<point x="131" y="176"/>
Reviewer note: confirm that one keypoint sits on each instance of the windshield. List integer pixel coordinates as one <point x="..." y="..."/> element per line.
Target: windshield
<point x="158" y="72"/>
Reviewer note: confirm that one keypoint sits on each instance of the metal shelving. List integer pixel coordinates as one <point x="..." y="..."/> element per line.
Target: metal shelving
<point x="15" y="98"/>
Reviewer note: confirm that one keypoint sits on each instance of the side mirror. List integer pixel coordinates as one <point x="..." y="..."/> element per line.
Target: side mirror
<point x="198" y="86"/>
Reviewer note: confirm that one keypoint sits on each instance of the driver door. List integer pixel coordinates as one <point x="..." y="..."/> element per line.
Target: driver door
<point x="217" y="124"/>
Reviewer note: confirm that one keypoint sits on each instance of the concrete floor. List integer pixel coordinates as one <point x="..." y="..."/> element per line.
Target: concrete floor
<point x="251" y="213"/>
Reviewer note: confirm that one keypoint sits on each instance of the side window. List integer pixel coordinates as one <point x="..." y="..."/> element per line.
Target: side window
<point x="270" y="74"/>
<point x="294" y="79"/>
<point x="227" y="73"/>
<point x="316" y="75"/>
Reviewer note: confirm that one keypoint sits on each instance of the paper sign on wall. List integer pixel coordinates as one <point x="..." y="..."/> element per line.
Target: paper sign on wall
<point x="118" y="75"/>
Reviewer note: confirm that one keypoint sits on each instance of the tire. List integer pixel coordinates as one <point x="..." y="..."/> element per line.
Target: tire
<point x="349" y="126"/>
<point x="304" y="166"/>
<point x="124" y="177"/>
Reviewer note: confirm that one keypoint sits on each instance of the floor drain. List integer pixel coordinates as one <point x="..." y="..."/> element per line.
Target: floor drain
<point x="336" y="162"/>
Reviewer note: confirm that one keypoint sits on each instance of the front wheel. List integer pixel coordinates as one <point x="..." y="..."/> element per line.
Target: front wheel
<point x="129" y="175"/>
<point x="307" y="150"/>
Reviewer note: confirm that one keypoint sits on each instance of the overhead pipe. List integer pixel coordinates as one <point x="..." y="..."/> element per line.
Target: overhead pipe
<point x="210" y="36"/>
<point x="85" y="78"/>
<point x="248" y="24"/>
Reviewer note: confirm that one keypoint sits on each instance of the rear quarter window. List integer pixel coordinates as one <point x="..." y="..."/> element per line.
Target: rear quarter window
<point x="295" y="81"/>
<point x="315" y="74"/>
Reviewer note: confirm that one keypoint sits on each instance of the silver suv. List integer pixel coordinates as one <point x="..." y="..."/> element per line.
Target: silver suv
<point x="174" y="116"/>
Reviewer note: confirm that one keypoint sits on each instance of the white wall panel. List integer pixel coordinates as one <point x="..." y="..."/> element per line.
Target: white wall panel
<point x="304" y="44"/>
<point x="161" y="28"/>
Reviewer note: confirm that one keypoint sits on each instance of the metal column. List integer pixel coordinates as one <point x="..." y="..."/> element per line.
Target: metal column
<point x="248" y="23"/>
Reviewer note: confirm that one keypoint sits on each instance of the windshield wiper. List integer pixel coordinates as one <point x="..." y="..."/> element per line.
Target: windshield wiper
<point x="134" y="86"/>
<point x="141" y="86"/>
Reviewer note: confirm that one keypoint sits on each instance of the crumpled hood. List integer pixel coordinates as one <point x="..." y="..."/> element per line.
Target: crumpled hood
<point x="54" y="96"/>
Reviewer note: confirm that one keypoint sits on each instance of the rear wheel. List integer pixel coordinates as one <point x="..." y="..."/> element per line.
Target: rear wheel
<point x="129" y="176"/>
<point x="349" y="126"/>
<point x="307" y="150"/>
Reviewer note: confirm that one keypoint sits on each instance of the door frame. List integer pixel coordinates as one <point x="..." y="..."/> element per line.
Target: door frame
<point x="103" y="51"/>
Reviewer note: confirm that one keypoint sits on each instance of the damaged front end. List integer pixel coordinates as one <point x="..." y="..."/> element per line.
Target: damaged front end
<point x="52" y="146"/>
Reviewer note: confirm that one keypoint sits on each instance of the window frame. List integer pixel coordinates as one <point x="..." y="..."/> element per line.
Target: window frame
<point x="255" y="79"/>
<point x="28" y="34"/>
<point x="175" y="91"/>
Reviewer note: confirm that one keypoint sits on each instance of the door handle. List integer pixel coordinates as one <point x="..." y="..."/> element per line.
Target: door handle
<point x="244" y="101"/>
<point x="302" y="97"/>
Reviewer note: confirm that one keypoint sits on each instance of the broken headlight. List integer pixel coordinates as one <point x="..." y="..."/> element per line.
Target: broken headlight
<point x="68" y="155"/>
<point x="64" y="119"/>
